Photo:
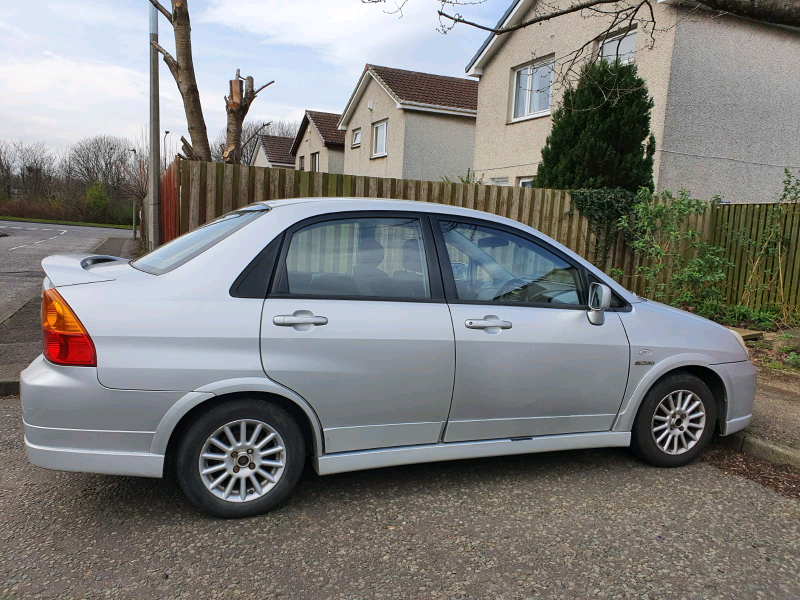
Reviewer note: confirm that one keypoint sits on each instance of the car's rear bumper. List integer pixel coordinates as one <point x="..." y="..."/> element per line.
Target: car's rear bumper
<point x="95" y="461"/>
<point x="72" y="423"/>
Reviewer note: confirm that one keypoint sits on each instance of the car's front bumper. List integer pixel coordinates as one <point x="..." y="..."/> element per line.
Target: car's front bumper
<point x="740" y="379"/>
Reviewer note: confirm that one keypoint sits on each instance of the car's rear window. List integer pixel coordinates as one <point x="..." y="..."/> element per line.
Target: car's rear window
<point x="186" y="247"/>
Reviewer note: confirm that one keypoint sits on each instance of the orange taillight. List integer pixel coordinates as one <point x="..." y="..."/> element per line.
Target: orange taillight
<point x="66" y="341"/>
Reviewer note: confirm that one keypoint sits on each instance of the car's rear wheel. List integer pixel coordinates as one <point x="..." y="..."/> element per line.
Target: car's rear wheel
<point x="675" y="421"/>
<point x="241" y="458"/>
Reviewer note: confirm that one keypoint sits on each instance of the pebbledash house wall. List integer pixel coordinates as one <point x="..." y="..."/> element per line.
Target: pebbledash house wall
<point x="437" y="145"/>
<point x="420" y="145"/>
<point x="726" y="121"/>
<point x="359" y="161"/>
<point x="331" y="158"/>
<point x="732" y="122"/>
<point x="513" y="150"/>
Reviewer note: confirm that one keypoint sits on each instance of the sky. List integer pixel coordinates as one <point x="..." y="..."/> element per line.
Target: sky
<point x="69" y="70"/>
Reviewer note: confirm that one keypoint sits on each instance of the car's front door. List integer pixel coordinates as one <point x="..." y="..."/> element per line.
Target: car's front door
<point x="528" y="361"/>
<point x="357" y="324"/>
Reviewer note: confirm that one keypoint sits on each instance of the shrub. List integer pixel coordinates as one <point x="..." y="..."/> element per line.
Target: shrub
<point x="603" y="208"/>
<point x="601" y="133"/>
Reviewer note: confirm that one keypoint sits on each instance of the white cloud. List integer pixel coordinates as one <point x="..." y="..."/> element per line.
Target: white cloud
<point x="342" y="30"/>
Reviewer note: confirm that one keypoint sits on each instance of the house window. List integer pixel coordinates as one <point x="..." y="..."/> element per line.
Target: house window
<point x="356" y="138"/>
<point x="498" y="181"/>
<point x="532" y="88"/>
<point x="525" y="181"/>
<point x="302" y="163"/>
<point x="315" y="162"/>
<point x="620" y="47"/>
<point x="379" y="139"/>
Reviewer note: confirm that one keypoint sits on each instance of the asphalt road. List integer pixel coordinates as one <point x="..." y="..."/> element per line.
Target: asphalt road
<point x="567" y="525"/>
<point x="22" y="251"/>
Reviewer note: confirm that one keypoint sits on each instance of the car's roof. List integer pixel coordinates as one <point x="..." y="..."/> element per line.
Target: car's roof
<point x="352" y="203"/>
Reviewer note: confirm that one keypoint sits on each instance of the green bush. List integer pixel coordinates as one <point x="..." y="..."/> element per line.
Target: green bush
<point x="603" y="208"/>
<point x="601" y="132"/>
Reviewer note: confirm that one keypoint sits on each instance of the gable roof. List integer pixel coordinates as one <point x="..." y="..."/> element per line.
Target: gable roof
<point x="513" y="15"/>
<point x="278" y="149"/>
<point x="412" y="90"/>
<point x="325" y="124"/>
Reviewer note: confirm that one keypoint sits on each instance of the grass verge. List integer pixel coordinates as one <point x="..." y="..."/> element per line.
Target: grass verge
<point x="54" y="222"/>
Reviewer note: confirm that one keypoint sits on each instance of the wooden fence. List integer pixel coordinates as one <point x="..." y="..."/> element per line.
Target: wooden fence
<point x="206" y="190"/>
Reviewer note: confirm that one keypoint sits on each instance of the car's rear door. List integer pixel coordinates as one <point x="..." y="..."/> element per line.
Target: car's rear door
<point x="356" y="323"/>
<point x="528" y="361"/>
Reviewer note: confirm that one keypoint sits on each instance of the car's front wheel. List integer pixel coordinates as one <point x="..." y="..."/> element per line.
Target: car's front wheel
<point x="675" y="421"/>
<point x="240" y="458"/>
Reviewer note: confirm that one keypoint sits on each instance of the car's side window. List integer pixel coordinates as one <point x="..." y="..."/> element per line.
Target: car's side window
<point x="372" y="257"/>
<point x="494" y="265"/>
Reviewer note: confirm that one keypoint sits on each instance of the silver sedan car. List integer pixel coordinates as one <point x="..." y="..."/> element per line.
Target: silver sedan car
<point x="361" y="334"/>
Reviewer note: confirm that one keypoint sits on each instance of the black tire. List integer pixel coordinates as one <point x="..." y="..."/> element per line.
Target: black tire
<point x="643" y="442"/>
<point x="191" y="446"/>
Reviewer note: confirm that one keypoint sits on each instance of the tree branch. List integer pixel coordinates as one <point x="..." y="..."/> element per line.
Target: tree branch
<point x="538" y="19"/>
<point x="162" y="10"/>
<point x="255" y="133"/>
<point x="262" y="87"/>
<point x="171" y="62"/>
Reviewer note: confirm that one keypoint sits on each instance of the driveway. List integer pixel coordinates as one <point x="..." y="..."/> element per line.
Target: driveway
<point x="566" y="525"/>
<point x="24" y="247"/>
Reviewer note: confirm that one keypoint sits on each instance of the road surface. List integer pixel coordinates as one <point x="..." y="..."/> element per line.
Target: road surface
<point x="584" y="524"/>
<point x="22" y="251"/>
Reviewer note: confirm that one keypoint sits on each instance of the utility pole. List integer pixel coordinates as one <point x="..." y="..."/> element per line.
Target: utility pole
<point x="154" y="179"/>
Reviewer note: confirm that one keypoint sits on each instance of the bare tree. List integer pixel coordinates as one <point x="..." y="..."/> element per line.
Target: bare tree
<point x="136" y="171"/>
<point x="242" y="95"/>
<point x="36" y="170"/>
<point x="101" y="158"/>
<point x="182" y="68"/>
<point x="8" y="162"/>
<point x="242" y="90"/>
<point x="250" y="132"/>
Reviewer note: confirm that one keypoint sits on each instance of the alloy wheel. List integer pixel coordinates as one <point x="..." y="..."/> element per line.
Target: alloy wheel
<point x="242" y="460"/>
<point x="678" y="422"/>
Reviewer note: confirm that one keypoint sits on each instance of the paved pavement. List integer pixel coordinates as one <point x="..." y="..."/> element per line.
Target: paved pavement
<point x="22" y="251"/>
<point x="567" y="525"/>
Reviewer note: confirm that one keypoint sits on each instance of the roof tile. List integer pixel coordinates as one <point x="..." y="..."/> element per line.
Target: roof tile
<point x="278" y="149"/>
<point x="424" y="88"/>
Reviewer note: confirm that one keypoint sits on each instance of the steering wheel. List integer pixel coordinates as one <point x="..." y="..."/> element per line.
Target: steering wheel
<point x="509" y="286"/>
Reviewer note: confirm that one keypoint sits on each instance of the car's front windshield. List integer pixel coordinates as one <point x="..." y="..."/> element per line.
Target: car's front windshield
<point x="184" y="248"/>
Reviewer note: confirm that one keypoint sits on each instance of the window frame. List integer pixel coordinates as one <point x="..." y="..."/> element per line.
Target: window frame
<point x="498" y="181"/>
<point x="618" y="37"/>
<point x="525" y="179"/>
<point x="530" y="67"/>
<point x="314" y="166"/>
<point x="353" y="142"/>
<point x="449" y="281"/>
<point x="279" y="284"/>
<point x="384" y="123"/>
<point x="302" y="166"/>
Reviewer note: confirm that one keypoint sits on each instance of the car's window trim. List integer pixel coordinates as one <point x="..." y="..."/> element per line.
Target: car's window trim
<point x="278" y="286"/>
<point x="451" y="293"/>
<point x="251" y="270"/>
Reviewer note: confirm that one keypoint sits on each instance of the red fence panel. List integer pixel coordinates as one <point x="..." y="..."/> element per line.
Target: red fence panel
<point x="170" y="202"/>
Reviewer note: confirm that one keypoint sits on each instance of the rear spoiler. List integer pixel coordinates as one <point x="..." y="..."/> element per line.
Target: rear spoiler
<point x="74" y="269"/>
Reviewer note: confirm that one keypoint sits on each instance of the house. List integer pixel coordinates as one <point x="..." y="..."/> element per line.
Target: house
<point x="273" y="151"/>
<point x="319" y="145"/>
<point x="727" y="104"/>
<point x="409" y="125"/>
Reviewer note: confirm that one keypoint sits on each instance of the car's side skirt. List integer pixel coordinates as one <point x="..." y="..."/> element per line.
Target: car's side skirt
<point x="390" y="457"/>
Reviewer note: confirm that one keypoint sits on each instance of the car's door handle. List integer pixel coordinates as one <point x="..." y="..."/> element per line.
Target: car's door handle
<point x="487" y="322"/>
<point x="292" y="320"/>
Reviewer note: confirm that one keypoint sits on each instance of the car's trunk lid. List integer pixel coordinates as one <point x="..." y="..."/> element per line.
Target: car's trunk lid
<point x="75" y="269"/>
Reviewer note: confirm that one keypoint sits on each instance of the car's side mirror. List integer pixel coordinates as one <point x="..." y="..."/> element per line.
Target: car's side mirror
<point x="599" y="301"/>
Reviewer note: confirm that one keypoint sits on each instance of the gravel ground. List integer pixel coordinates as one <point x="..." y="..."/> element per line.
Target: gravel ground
<point x="776" y="414"/>
<point x="566" y="525"/>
